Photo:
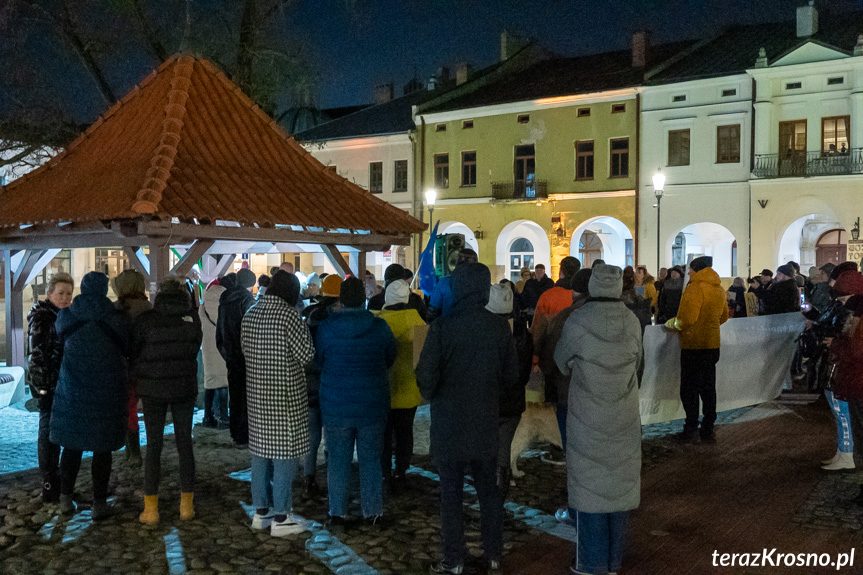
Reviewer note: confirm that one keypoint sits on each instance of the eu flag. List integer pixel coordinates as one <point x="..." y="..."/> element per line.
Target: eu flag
<point x="426" y="269"/>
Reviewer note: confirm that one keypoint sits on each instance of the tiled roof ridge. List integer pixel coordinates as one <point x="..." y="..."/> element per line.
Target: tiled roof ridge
<point x="98" y="122"/>
<point x="148" y="197"/>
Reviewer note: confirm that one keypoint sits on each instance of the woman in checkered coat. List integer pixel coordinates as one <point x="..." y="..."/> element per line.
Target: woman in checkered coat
<point x="277" y="346"/>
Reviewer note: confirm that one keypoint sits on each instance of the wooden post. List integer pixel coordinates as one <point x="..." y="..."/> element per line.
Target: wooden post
<point x="361" y="265"/>
<point x="14" y="306"/>
<point x="159" y="265"/>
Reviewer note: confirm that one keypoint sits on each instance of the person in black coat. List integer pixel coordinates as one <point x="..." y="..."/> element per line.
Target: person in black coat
<point x="392" y="273"/>
<point x="534" y="288"/>
<point x="165" y="370"/>
<point x="233" y="305"/>
<point x="669" y="297"/>
<point x="46" y="353"/>
<point x="91" y="407"/>
<point x="783" y="295"/>
<point x="468" y="358"/>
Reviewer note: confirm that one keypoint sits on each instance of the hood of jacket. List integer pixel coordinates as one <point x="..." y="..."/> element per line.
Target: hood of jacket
<point x="91" y="307"/>
<point x="228" y="281"/>
<point x="707" y="275"/>
<point x="673" y="284"/>
<point x="173" y="303"/>
<point x="235" y="294"/>
<point x="351" y="322"/>
<point x="471" y="285"/>
<point x="610" y="323"/>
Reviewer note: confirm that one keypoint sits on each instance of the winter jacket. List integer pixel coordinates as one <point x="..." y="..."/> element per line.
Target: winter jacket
<point x="702" y="310"/>
<point x="847" y="353"/>
<point x="822" y="295"/>
<point x="739" y="304"/>
<point x="638" y="305"/>
<point x="46" y="353"/>
<point x="782" y="297"/>
<point x="547" y="346"/>
<point x="133" y="306"/>
<point x="751" y="303"/>
<point x="603" y="425"/>
<point x="533" y="290"/>
<point x="414" y="302"/>
<point x="468" y="358"/>
<point x="233" y="305"/>
<point x="355" y="350"/>
<point x="314" y="315"/>
<point x="549" y="305"/>
<point x="277" y="346"/>
<point x="215" y="370"/>
<point x="90" y="410"/>
<point x="165" y="349"/>
<point x="404" y="393"/>
<point x="669" y="300"/>
<point x="651" y="293"/>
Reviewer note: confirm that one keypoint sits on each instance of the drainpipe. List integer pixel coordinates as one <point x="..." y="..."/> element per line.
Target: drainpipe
<point x="418" y="193"/>
<point x="751" y="166"/>
<point x="636" y="243"/>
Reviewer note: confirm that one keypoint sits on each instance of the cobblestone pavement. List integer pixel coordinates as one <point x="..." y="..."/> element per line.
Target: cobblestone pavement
<point x="34" y="539"/>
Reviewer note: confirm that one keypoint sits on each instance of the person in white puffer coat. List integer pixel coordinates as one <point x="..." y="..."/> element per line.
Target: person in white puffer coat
<point x="215" y="370"/>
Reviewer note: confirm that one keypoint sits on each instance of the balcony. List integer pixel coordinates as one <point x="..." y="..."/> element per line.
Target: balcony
<point x="519" y="190"/>
<point x="805" y="164"/>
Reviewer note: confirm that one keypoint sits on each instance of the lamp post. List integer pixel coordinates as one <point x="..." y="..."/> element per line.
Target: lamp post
<point x="431" y="197"/>
<point x="658" y="188"/>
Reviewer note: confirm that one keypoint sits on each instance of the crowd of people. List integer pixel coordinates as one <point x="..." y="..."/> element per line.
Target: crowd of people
<point x="333" y="360"/>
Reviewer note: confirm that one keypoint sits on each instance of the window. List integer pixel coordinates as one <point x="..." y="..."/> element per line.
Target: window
<point x="834" y="135"/>
<point x="620" y="158"/>
<point x="793" y="85"/>
<point x="400" y="171"/>
<point x="728" y="144"/>
<point x="583" y="112"/>
<point x="584" y="160"/>
<point x="618" y="108"/>
<point x="521" y="255"/>
<point x="376" y="177"/>
<point x="525" y="172"/>
<point x="523" y="118"/>
<point x="629" y="249"/>
<point x="589" y="248"/>
<point x="468" y="169"/>
<point x="678" y="148"/>
<point x="441" y="170"/>
<point x="680" y="98"/>
<point x="440" y="128"/>
<point x="467" y="125"/>
<point x="727" y="93"/>
<point x="792" y="148"/>
<point x="835" y="81"/>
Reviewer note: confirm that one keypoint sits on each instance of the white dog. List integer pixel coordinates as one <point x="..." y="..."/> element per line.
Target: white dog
<point x="538" y="422"/>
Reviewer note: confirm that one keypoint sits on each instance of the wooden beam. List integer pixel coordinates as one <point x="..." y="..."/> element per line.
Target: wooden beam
<point x="27" y="265"/>
<point x="41" y="264"/>
<point x="14" y="307"/>
<point x="361" y="265"/>
<point x="135" y="255"/>
<point x="195" y="252"/>
<point x="336" y="259"/>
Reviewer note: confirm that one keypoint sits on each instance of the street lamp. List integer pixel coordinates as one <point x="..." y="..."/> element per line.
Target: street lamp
<point x="658" y="188"/>
<point x="431" y="197"/>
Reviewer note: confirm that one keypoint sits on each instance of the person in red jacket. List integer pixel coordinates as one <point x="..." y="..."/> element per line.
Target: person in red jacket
<point x="702" y="311"/>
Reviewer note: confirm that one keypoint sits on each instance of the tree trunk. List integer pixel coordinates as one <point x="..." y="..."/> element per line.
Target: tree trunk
<point x="246" y="52"/>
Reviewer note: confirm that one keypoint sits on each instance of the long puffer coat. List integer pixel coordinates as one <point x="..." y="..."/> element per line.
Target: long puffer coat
<point x="46" y="353"/>
<point x="165" y="349"/>
<point x="90" y="408"/>
<point x="402" y="320"/>
<point x="277" y="346"/>
<point x="603" y="425"/>
<point x="215" y="369"/>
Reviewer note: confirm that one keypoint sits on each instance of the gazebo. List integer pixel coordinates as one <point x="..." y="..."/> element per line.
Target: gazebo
<point x="184" y="160"/>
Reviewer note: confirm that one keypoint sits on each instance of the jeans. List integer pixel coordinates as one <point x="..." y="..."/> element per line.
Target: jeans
<point x="560" y="411"/>
<point x="399" y="432"/>
<point x="855" y="410"/>
<point x="216" y="405"/>
<point x="154" y="421"/>
<point x="698" y="380"/>
<point x="452" y="508"/>
<point x="272" y="483"/>
<point x="70" y="464"/>
<point x="310" y="461"/>
<point x="506" y="427"/>
<point x="49" y="453"/>
<point x="601" y="537"/>
<point x="340" y="446"/>
<point x="844" y="439"/>
<point x="239" y="410"/>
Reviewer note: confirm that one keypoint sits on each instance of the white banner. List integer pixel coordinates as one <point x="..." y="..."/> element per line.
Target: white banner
<point x="754" y="361"/>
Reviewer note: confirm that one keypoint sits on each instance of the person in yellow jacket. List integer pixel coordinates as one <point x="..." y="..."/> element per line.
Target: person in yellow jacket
<point x="702" y="310"/>
<point x="404" y="393"/>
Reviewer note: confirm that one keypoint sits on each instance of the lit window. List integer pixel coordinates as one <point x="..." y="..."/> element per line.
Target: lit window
<point x="834" y="135"/>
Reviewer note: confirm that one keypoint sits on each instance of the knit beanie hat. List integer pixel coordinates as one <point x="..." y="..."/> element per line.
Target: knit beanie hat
<point x="500" y="299"/>
<point x="569" y="266"/>
<point x="352" y="292"/>
<point x="129" y="283"/>
<point x="95" y="283"/>
<point x="699" y="264"/>
<point x="393" y="272"/>
<point x="331" y="286"/>
<point x="314" y="278"/>
<point x="397" y="292"/>
<point x="842" y="268"/>
<point x="246" y="278"/>
<point x="606" y="281"/>
<point x="286" y="286"/>
<point x="581" y="281"/>
<point x="828" y="268"/>
<point x="786" y="270"/>
<point x="849" y="283"/>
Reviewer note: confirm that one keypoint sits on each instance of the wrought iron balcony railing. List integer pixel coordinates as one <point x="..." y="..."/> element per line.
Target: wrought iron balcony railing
<point x="519" y="190"/>
<point x="800" y="164"/>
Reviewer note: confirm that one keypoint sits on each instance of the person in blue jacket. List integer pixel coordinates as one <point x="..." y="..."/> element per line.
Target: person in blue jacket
<point x="90" y="408"/>
<point x="354" y="351"/>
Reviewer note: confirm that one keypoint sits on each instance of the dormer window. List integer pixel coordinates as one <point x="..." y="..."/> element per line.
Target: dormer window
<point x="793" y="85"/>
<point x="679" y="98"/>
<point x="729" y="93"/>
<point x="838" y="80"/>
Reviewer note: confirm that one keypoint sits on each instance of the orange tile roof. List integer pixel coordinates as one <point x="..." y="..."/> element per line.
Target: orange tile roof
<point x="187" y="143"/>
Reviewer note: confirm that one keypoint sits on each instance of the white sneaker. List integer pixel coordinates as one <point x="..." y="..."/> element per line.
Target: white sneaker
<point x="833" y="459"/>
<point x="843" y="463"/>
<point x="261" y="522"/>
<point x="290" y="526"/>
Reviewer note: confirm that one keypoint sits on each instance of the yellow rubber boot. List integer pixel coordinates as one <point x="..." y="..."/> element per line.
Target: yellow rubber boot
<point x="187" y="509"/>
<point x="151" y="510"/>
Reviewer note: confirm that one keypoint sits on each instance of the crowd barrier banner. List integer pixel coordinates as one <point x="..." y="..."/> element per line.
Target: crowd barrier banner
<point x="754" y="361"/>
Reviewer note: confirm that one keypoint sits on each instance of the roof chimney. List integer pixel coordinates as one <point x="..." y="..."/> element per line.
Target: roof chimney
<point x="462" y="73"/>
<point x="443" y="74"/>
<point x="640" y="47"/>
<point x="383" y="93"/>
<point x="510" y="44"/>
<point x="807" y="20"/>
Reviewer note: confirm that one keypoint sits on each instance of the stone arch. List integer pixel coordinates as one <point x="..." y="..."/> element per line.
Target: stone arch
<point x="708" y="239"/>
<point x="611" y="232"/>
<point x="529" y="230"/>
